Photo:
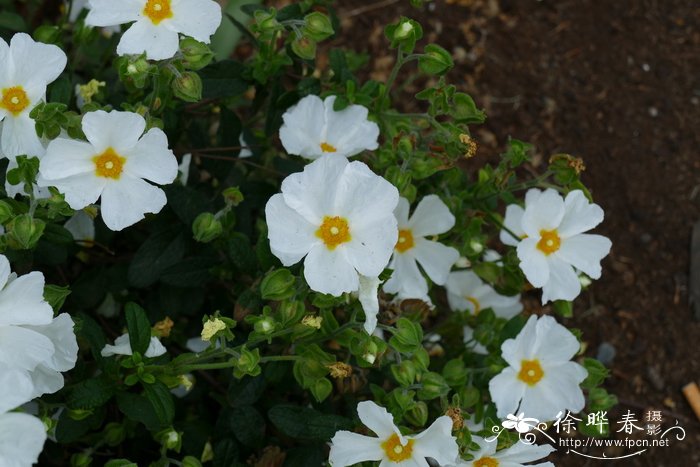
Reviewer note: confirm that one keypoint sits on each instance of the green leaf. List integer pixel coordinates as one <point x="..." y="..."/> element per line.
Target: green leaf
<point x="56" y="295"/>
<point x="91" y="393"/>
<point x="250" y="426"/>
<point x="139" y="409"/>
<point x="138" y="326"/>
<point x="191" y="272"/>
<point x="121" y="463"/>
<point x="223" y="79"/>
<point x="161" y="400"/>
<point x="162" y="250"/>
<point x="12" y="21"/>
<point x="564" y="308"/>
<point x="305" y="423"/>
<point x="596" y="373"/>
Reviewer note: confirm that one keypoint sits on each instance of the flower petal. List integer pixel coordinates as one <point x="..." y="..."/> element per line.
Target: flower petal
<point x="196" y="18"/>
<point x="19" y="137"/>
<point x="348" y="130"/>
<point x="459" y="285"/>
<point x="15" y="389"/>
<point x="23" y="348"/>
<point x="329" y="271"/>
<point x="545" y="213"/>
<point x="291" y="236"/>
<point x="580" y="216"/>
<point x="151" y="158"/>
<point x="506" y="391"/>
<point x="437" y="442"/>
<point x="311" y="193"/>
<point x="22" y="438"/>
<point x="125" y="202"/>
<point x="563" y="283"/>
<point x="513" y="221"/>
<point x="377" y="419"/>
<point x="22" y="301"/>
<point x="35" y="64"/>
<point x="46" y="381"/>
<point x="364" y="197"/>
<point x="533" y="262"/>
<point x="371" y="246"/>
<point x="80" y="190"/>
<point x="401" y="212"/>
<point x="110" y="13"/>
<point x="368" y="296"/>
<point x="431" y="217"/>
<point x="301" y="133"/>
<point x="523" y="346"/>
<point x="117" y="130"/>
<point x="67" y="157"/>
<point x="349" y="448"/>
<point x="406" y="280"/>
<point x="435" y="258"/>
<point x="60" y="332"/>
<point x="554" y="343"/>
<point x="520" y="453"/>
<point x="585" y="252"/>
<point x="158" y="42"/>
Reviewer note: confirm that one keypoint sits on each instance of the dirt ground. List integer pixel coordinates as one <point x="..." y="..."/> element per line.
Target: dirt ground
<point x="618" y="84"/>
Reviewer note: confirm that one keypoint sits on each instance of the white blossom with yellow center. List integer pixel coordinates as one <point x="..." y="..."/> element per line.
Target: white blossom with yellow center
<point x="551" y="241"/>
<point x="312" y="129"/>
<point x="541" y="380"/>
<point x="390" y="447"/>
<point x="26" y="68"/>
<point x="113" y="164"/>
<point x="339" y="215"/>
<point x="122" y="346"/>
<point x="157" y="23"/>
<point x="516" y="455"/>
<point x="467" y="292"/>
<point x="430" y="218"/>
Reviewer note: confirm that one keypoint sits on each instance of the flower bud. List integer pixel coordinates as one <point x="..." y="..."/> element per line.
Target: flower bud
<point x="435" y="60"/>
<point x="247" y="363"/>
<point x="404" y="373"/>
<point x="206" y="227"/>
<point x="196" y="55"/>
<point x="47" y="34"/>
<point x="266" y="21"/>
<point x="80" y="459"/>
<point x="418" y="415"/>
<point x="170" y="439"/>
<point x="404" y="34"/>
<point x="317" y="26"/>
<point x="264" y="326"/>
<point x="114" y="434"/>
<point x="277" y="285"/>
<point x="191" y="461"/>
<point x="433" y="385"/>
<point x="304" y="47"/>
<point x="25" y="232"/>
<point x="232" y="196"/>
<point x="188" y="87"/>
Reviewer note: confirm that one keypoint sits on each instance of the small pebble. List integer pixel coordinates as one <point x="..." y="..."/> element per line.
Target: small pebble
<point x="606" y="353"/>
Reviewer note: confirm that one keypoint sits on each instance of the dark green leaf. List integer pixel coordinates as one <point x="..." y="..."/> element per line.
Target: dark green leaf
<point x="139" y="327"/>
<point x="306" y="423"/>
<point x="91" y="393"/>
<point x="161" y="400"/>
<point x="159" y="252"/>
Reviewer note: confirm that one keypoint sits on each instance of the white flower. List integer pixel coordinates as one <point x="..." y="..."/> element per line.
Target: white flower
<point x="540" y="380"/>
<point x="312" y="128"/>
<point x="467" y="292"/>
<point x="122" y="346"/>
<point x="369" y="298"/>
<point x="22" y="436"/>
<point x="31" y="339"/>
<point x="340" y="216"/>
<point x="472" y="343"/>
<point x="26" y="68"/>
<point x="112" y="164"/>
<point x="514" y="456"/>
<point x="158" y="23"/>
<point x="391" y="447"/>
<point x="82" y="227"/>
<point x="553" y="242"/>
<point x="245" y="151"/>
<point x="431" y="217"/>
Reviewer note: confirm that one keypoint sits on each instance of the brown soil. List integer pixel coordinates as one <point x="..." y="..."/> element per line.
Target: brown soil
<point x="617" y="83"/>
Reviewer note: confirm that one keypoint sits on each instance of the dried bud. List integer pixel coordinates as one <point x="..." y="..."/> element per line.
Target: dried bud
<point x="340" y="370"/>
<point x="455" y="413"/>
<point x="162" y="328"/>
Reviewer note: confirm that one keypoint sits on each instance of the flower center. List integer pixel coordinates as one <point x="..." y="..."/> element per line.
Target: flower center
<point x="549" y="241"/>
<point x="405" y="241"/>
<point x="109" y="164"/>
<point x="486" y="462"/>
<point x="395" y="451"/>
<point x="14" y="99"/>
<point x="325" y="147"/>
<point x="477" y="305"/>
<point x="157" y="10"/>
<point x="530" y="372"/>
<point x="334" y="231"/>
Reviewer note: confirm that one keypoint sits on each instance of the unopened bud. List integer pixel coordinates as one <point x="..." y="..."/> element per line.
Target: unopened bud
<point x="206" y="228"/>
<point x="304" y="47"/>
<point x="317" y="26"/>
<point x="25" y="232"/>
<point x="188" y="87"/>
<point x="196" y="55"/>
<point x="277" y="285"/>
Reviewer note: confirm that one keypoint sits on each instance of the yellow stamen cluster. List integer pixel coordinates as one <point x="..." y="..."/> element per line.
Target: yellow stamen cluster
<point x="395" y="451"/>
<point x="14" y="100"/>
<point x="549" y="241"/>
<point x="334" y="231"/>
<point x="325" y="147"/>
<point x="405" y="241"/>
<point x="158" y="10"/>
<point x="340" y="370"/>
<point x="486" y="462"/>
<point x="109" y="164"/>
<point x="470" y="143"/>
<point x="530" y="372"/>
